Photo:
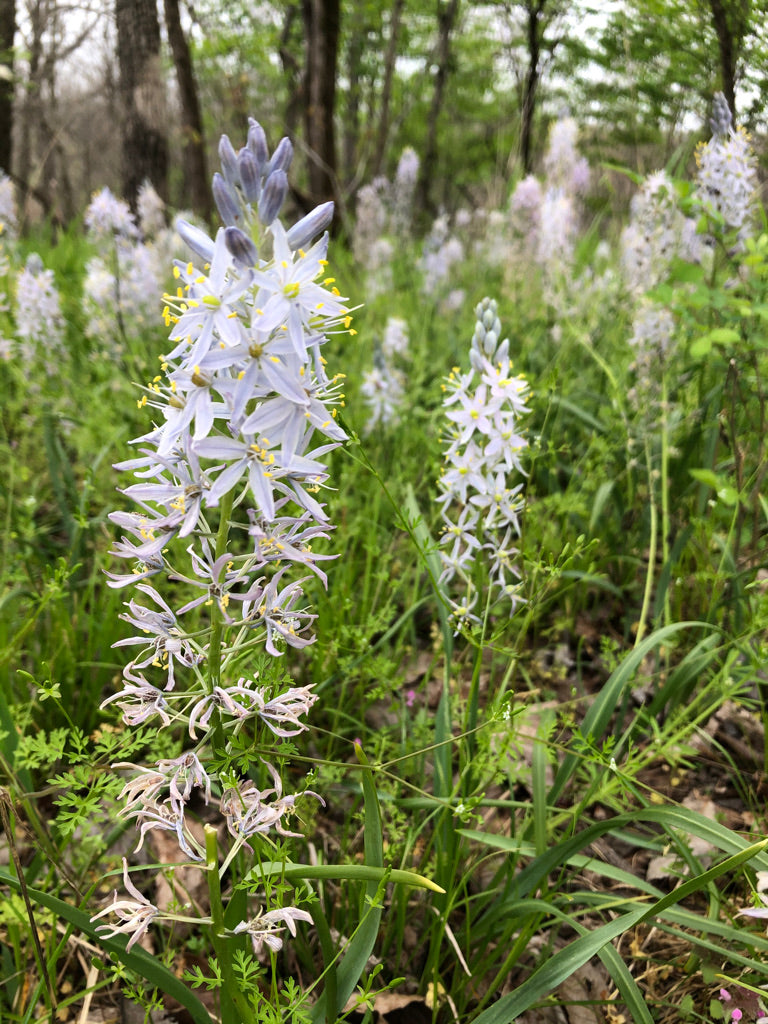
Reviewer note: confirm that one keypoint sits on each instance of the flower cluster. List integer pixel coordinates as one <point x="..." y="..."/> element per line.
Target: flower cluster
<point x="125" y="281"/>
<point x="727" y="172"/>
<point x="39" y="322"/>
<point x="232" y="469"/>
<point x="384" y="215"/>
<point x="481" y="503"/>
<point x="443" y="251"/>
<point x="565" y="170"/>
<point x="544" y="216"/>
<point x="8" y="212"/>
<point x="657" y="233"/>
<point x="383" y="385"/>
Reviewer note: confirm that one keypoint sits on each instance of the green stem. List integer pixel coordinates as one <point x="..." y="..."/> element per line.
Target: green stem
<point x="652" y="542"/>
<point x="235" y="1006"/>
<point x="217" y="630"/>
<point x="665" y="494"/>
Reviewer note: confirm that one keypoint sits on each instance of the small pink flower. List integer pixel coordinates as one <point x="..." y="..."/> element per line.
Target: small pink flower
<point x="736" y="1014"/>
<point x="410" y="698"/>
<point x="725" y="995"/>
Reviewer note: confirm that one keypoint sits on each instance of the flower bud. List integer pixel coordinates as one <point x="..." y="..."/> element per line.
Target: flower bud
<point x="304" y="230"/>
<point x="226" y="201"/>
<point x="722" y="119"/>
<point x="228" y="159"/>
<point x="273" y="196"/>
<point x="197" y="240"/>
<point x="241" y="246"/>
<point x="257" y="143"/>
<point x="281" y="158"/>
<point x="250" y="176"/>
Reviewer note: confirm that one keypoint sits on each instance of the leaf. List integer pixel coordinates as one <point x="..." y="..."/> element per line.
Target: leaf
<point x="344" y="872"/>
<point x="355" y="959"/>
<point x="566" y="961"/>
<point x="599" y="715"/>
<point x="137" y="960"/>
<point x="725" y="492"/>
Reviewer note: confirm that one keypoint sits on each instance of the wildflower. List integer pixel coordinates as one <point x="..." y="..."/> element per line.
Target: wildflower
<point x="265" y="929"/>
<point x="38" y="314"/>
<point x="150" y="209"/>
<point x="481" y="505"/>
<point x="8" y="213"/>
<point x="167" y="645"/>
<point x="727" y="173"/>
<point x="382" y="390"/>
<point x="243" y="411"/>
<point x="108" y="216"/>
<point x="139" y="702"/>
<point x="395" y="340"/>
<point x="564" y="168"/>
<point x="167" y="816"/>
<point x="656" y="234"/>
<point x="758" y="911"/>
<point x="135" y="915"/>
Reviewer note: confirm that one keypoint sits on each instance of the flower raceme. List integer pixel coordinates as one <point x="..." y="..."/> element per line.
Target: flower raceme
<point x="232" y="468"/>
<point x="481" y="502"/>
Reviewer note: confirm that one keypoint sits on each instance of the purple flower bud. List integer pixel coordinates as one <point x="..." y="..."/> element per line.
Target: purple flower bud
<point x="308" y="227"/>
<point x="722" y="119"/>
<point x="241" y="246"/>
<point x="250" y="176"/>
<point x="281" y="158"/>
<point x="257" y="143"/>
<point x="226" y="201"/>
<point x="273" y="196"/>
<point x="228" y="159"/>
<point x="197" y="240"/>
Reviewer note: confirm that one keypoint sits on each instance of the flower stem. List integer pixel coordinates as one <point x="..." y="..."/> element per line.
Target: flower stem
<point x="235" y="1006"/>
<point x="217" y="631"/>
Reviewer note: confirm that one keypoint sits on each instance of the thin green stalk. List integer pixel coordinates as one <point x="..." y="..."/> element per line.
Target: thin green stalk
<point x="235" y="1006"/>
<point x="217" y="630"/>
<point x="652" y="543"/>
<point x="665" y="520"/>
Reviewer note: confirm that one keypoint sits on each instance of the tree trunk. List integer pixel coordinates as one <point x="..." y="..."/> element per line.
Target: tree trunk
<point x="447" y="13"/>
<point x="730" y="19"/>
<point x="196" y="184"/>
<point x="528" y="106"/>
<point x="292" y="70"/>
<point x="7" y="33"/>
<point x="321" y="29"/>
<point x="142" y="90"/>
<point x="386" y="91"/>
<point x="356" y="39"/>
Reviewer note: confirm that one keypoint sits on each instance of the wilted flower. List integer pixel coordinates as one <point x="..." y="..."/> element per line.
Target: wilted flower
<point x="135" y="915"/>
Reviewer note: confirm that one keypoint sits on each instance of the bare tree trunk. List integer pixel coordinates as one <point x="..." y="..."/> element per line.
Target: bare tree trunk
<point x="355" y="51"/>
<point x="534" y="12"/>
<point x="292" y="71"/>
<point x="30" y="114"/>
<point x="447" y="14"/>
<point x="196" y="184"/>
<point x="145" y="146"/>
<point x="386" y="90"/>
<point x="321" y="27"/>
<point x="730" y="19"/>
<point x="7" y="33"/>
